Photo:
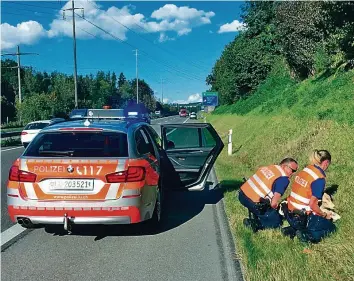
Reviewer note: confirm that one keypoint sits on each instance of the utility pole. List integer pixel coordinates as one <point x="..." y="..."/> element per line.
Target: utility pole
<point x="74" y="37"/>
<point x="162" y="90"/>
<point x="18" y="54"/>
<point x="137" y="79"/>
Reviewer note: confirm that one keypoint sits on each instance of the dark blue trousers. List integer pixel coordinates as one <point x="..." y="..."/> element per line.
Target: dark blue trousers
<point x="319" y="227"/>
<point x="270" y="219"/>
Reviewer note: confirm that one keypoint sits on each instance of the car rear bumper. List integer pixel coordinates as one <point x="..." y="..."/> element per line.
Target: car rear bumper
<point x="77" y="215"/>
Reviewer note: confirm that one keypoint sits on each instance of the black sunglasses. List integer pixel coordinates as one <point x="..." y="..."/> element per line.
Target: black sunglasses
<point x="293" y="170"/>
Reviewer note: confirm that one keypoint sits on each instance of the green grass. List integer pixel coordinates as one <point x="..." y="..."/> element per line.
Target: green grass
<point x="11" y="141"/>
<point x="281" y="126"/>
<point x="18" y="129"/>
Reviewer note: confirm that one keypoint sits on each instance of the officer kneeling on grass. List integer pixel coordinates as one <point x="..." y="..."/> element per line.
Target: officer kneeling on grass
<point x="261" y="194"/>
<point x="306" y="219"/>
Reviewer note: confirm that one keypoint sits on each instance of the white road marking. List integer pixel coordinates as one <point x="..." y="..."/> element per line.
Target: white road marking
<point x="176" y="128"/>
<point x="11" y="233"/>
<point x="11" y="148"/>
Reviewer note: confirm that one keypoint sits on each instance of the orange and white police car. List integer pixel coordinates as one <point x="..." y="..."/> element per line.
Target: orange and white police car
<point x="106" y="171"/>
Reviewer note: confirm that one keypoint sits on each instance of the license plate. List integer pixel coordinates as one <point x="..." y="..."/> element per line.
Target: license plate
<point x="64" y="184"/>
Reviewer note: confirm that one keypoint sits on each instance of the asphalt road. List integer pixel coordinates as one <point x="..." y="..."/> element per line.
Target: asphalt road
<point x="8" y="156"/>
<point x="193" y="244"/>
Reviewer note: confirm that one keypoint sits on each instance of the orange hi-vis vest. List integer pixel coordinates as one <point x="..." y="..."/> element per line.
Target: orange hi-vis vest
<point x="301" y="192"/>
<point x="261" y="183"/>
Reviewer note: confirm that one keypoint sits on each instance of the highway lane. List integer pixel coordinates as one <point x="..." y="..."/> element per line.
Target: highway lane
<point x="193" y="244"/>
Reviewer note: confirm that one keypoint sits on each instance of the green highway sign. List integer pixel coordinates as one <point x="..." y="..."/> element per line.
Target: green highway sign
<point x="210" y="98"/>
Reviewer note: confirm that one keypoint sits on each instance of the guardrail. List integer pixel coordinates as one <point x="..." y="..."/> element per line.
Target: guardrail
<point x="10" y="134"/>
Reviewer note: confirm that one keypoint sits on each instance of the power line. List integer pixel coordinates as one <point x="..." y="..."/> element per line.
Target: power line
<point x="200" y="66"/>
<point x="133" y="47"/>
<point x="181" y="73"/>
<point x="18" y="54"/>
<point x="30" y="5"/>
<point x="145" y="39"/>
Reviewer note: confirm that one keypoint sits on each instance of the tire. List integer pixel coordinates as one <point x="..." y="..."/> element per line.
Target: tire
<point x="155" y="222"/>
<point x="25" y="145"/>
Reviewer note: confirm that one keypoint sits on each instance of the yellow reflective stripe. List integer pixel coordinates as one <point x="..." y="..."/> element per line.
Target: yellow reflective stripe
<point x="311" y="173"/>
<point x="262" y="184"/>
<point x="255" y="188"/>
<point x="280" y="169"/>
<point x="300" y="198"/>
<point x="300" y="206"/>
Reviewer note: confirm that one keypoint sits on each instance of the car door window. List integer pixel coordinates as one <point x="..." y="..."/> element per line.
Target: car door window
<point x="207" y="139"/>
<point x="143" y="144"/>
<point x="154" y="136"/>
<point x="179" y="138"/>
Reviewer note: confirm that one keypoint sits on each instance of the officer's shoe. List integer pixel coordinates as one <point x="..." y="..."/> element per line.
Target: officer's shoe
<point x="303" y="236"/>
<point x="252" y="224"/>
<point x="289" y="231"/>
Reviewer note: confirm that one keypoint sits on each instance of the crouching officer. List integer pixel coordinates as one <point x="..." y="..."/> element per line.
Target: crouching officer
<point x="261" y="194"/>
<point x="306" y="191"/>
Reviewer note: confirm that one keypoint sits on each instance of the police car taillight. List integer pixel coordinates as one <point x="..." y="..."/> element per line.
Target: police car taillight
<point x="131" y="175"/>
<point x="16" y="174"/>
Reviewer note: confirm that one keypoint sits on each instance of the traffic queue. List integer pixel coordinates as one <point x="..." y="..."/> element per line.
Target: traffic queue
<point x="304" y="208"/>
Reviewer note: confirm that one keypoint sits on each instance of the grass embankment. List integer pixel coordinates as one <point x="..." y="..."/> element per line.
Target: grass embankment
<point x="268" y="129"/>
<point x="11" y="141"/>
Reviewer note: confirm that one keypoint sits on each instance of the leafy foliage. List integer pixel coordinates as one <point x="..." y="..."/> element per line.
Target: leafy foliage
<point x="312" y="37"/>
<point x="52" y="95"/>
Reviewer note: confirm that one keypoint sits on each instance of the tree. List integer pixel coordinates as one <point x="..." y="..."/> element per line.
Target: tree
<point x="299" y="31"/>
<point x="121" y="80"/>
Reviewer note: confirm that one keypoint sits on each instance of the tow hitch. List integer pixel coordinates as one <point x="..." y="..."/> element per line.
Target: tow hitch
<point x="67" y="223"/>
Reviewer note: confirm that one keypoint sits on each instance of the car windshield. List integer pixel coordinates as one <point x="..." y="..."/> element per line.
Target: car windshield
<point x="79" y="144"/>
<point x="36" y="126"/>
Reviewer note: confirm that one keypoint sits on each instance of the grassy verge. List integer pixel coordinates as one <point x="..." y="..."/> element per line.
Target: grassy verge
<point x="289" y="118"/>
<point x="12" y="141"/>
<point x="261" y="140"/>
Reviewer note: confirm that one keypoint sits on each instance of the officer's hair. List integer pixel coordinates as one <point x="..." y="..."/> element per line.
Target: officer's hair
<point x="318" y="156"/>
<point x="287" y="160"/>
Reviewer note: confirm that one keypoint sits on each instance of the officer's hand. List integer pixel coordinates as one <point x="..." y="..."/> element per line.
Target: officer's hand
<point x="328" y="216"/>
<point x="274" y="205"/>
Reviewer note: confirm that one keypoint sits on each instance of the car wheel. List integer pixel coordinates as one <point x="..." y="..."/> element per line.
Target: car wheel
<point x="25" y="145"/>
<point x="156" y="218"/>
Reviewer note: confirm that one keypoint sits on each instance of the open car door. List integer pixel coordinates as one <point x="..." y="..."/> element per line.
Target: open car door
<point x="193" y="149"/>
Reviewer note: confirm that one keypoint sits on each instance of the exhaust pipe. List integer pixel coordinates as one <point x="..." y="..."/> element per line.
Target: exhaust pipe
<point x="20" y="221"/>
<point x="26" y="222"/>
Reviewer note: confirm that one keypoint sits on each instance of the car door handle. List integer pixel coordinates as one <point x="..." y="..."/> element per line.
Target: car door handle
<point x="181" y="158"/>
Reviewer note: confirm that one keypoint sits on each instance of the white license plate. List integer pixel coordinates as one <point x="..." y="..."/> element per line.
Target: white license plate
<point x="65" y="184"/>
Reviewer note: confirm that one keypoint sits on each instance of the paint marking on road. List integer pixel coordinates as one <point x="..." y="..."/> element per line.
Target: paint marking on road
<point x="11" y="148"/>
<point x="176" y="128"/>
<point x="11" y="233"/>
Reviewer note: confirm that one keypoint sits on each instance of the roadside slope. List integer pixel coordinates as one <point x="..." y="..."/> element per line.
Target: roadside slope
<point x="268" y="128"/>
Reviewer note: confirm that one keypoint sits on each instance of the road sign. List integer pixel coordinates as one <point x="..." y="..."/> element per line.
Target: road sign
<point x="210" y="98"/>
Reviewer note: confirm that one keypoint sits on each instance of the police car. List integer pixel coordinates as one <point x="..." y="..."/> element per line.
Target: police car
<point x="107" y="171"/>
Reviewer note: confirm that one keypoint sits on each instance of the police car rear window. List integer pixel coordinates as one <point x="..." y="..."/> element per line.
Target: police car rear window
<point x="79" y="144"/>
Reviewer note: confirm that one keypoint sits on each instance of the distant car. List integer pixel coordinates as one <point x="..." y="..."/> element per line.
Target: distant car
<point x="183" y="113"/>
<point x="33" y="128"/>
<point x="158" y="113"/>
<point x="193" y="115"/>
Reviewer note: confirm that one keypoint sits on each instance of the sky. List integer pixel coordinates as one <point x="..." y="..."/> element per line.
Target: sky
<point x="178" y="42"/>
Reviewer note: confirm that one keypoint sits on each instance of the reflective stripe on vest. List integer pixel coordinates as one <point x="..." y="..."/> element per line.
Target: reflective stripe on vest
<point x="301" y="192"/>
<point x="261" y="183"/>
